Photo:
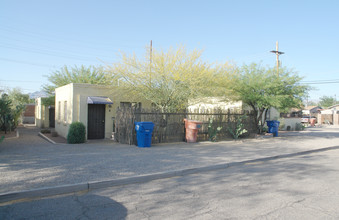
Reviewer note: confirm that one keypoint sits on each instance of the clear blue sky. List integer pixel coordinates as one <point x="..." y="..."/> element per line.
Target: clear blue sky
<point x="38" y="37"/>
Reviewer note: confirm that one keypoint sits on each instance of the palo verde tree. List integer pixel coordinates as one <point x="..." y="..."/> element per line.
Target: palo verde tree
<point x="261" y="89"/>
<point x="82" y="74"/>
<point x="169" y="79"/>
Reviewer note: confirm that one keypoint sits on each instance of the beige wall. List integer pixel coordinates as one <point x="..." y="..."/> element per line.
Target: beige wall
<point x="213" y="103"/>
<point x="290" y="122"/>
<point x="273" y="114"/>
<point x="77" y="108"/>
<point x="63" y="94"/>
<point x="41" y="114"/>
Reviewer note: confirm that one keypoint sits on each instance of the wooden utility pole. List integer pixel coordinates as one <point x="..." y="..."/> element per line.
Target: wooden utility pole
<point x="277" y="53"/>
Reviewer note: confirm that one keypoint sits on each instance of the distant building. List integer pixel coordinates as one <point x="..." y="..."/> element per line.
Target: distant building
<point x="28" y="116"/>
<point x="311" y="110"/>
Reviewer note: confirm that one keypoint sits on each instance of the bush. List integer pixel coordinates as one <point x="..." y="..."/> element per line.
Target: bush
<point x="45" y="131"/>
<point x="76" y="133"/>
<point x="299" y="127"/>
<point x="213" y="132"/>
<point x="239" y="128"/>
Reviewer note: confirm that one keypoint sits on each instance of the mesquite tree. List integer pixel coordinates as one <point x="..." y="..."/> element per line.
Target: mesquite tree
<point x="262" y="88"/>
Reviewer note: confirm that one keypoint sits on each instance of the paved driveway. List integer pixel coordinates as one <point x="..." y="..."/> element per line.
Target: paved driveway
<point x="30" y="162"/>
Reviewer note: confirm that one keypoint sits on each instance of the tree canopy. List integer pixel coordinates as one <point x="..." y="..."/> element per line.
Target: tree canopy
<point x="327" y="101"/>
<point x="82" y="74"/>
<point x="17" y="97"/>
<point x="11" y="107"/>
<point x="170" y="79"/>
<point x="261" y="89"/>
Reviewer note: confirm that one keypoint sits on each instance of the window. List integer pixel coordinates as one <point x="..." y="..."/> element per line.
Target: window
<point x="59" y="111"/>
<point x="65" y="111"/>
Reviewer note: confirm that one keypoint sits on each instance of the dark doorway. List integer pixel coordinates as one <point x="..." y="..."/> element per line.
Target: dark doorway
<point x="51" y="117"/>
<point x="96" y="121"/>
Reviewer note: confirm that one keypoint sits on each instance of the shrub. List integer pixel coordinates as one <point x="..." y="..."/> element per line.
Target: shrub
<point x="282" y="124"/>
<point x="213" y="132"/>
<point x="76" y="133"/>
<point x="299" y="127"/>
<point x="239" y="128"/>
<point x="45" y="131"/>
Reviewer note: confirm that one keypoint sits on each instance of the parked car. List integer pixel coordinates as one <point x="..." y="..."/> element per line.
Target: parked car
<point x="306" y="119"/>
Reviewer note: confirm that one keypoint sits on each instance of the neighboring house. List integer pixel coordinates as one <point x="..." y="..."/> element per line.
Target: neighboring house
<point x="329" y="116"/>
<point x="219" y="103"/>
<point x="93" y="105"/>
<point x="28" y="116"/>
<point x="203" y="104"/>
<point x="44" y="114"/>
<point x="311" y="110"/>
<point x="290" y="120"/>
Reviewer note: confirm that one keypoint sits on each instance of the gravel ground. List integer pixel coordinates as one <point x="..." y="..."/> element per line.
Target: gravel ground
<point x="30" y="162"/>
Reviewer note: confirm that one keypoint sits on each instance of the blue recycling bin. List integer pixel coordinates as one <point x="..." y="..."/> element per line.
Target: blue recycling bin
<point x="144" y="131"/>
<point x="273" y="127"/>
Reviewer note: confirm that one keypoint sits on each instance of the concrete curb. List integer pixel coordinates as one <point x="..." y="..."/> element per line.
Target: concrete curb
<point x="46" y="138"/>
<point x="13" y="197"/>
<point x="50" y="140"/>
<point x="17" y="136"/>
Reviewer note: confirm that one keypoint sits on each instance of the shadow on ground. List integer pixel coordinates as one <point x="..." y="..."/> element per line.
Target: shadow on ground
<point x="68" y="207"/>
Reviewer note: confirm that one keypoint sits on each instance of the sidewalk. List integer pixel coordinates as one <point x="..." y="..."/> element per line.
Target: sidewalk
<point x="29" y="162"/>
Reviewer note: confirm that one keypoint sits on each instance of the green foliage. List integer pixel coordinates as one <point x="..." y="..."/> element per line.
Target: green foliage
<point x="45" y="131"/>
<point x="170" y="79"/>
<point x="212" y="131"/>
<point x="327" y="101"/>
<point x="18" y="103"/>
<point x="18" y="98"/>
<point x="82" y="74"/>
<point x="282" y="124"/>
<point x="6" y="117"/>
<point x="47" y="101"/>
<point x="239" y="129"/>
<point x="76" y="133"/>
<point x="261" y="89"/>
<point x="299" y="127"/>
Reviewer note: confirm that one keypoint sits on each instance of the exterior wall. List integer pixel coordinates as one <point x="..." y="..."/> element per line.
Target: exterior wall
<point x="77" y="108"/>
<point x="290" y="122"/>
<point x="273" y="114"/>
<point x="212" y="103"/>
<point x="41" y="114"/>
<point x="336" y="119"/>
<point x="329" y="116"/>
<point x="28" y="116"/>
<point x="63" y="95"/>
<point x="319" y="119"/>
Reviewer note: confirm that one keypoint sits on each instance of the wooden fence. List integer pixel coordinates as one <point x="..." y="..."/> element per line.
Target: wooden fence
<point x="170" y="127"/>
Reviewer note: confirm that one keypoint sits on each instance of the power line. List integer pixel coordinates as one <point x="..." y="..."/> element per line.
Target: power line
<point x="329" y="82"/>
<point x="62" y="38"/>
<point x="24" y="62"/>
<point x="24" y="81"/>
<point x="46" y="53"/>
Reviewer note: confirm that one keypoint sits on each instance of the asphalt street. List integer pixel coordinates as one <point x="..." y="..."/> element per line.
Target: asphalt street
<point x="304" y="187"/>
<point x="30" y="162"/>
